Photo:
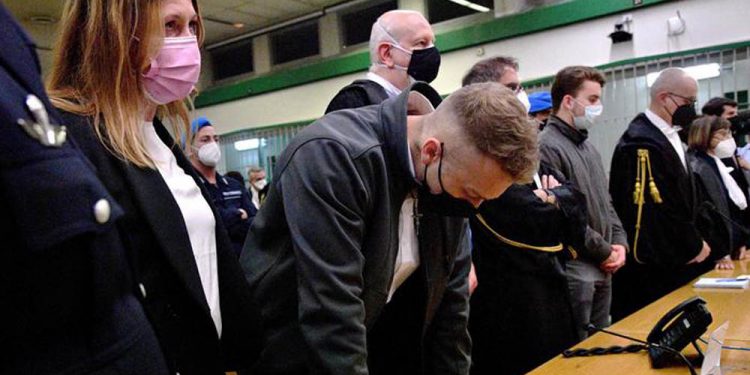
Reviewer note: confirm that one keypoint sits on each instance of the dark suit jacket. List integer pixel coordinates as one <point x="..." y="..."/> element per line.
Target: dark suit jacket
<point x="320" y="256"/>
<point x="669" y="237"/>
<point x="68" y="302"/>
<point x="741" y="217"/>
<point x="359" y="93"/>
<point x="715" y="229"/>
<point x="157" y="239"/>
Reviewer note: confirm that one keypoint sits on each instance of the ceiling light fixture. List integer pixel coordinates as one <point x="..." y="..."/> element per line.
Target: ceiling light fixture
<point x="248" y="144"/>
<point x="236" y="25"/>
<point x="469" y="4"/>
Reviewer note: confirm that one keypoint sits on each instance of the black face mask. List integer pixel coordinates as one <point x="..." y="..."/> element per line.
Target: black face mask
<point x="736" y="124"/>
<point x="424" y="64"/>
<point x="683" y="115"/>
<point x="443" y="203"/>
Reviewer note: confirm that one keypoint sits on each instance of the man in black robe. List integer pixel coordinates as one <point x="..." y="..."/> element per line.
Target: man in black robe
<point x="653" y="191"/>
<point x="520" y="311"/>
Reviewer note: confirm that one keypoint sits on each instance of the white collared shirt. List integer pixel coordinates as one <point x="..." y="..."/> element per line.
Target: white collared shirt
<point x="256" y="197"/>
<point x="734" y="191"/>
<point x="670" y="131"/>
<point x="407" y="258"/>
<point x="390" y="89"/>
<point x="198" y="217"/>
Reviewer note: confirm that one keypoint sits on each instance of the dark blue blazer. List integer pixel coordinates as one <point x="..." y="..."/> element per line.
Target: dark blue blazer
<point x="68" y="299"/>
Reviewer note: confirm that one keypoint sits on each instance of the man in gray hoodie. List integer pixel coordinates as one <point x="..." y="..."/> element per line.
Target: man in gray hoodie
<point x="576" y="104"/>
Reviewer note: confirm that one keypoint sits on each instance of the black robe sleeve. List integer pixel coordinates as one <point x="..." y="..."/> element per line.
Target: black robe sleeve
<point x="572" y="205"/>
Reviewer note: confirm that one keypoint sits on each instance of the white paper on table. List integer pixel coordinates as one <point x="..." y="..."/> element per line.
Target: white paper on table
<point x="712" y="360"/>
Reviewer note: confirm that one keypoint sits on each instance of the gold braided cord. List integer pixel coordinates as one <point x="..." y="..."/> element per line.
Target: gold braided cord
<point x="639" y="194"/>
<point x="521" y="245"/>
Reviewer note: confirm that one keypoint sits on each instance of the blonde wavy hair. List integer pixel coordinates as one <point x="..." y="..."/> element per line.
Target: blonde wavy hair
<point x="103" y="48"/>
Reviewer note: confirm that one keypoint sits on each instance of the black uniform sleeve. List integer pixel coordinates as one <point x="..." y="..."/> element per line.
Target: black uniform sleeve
<point x="231" y="216"/>
<point x="572" y="204"/>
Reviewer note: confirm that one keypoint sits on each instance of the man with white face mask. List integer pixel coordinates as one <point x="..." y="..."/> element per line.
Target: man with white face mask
<point x="402" y="50"/>
<point x="228" y="195"/>
<point x="256" y="176"/>
<point x="576" y="104"/>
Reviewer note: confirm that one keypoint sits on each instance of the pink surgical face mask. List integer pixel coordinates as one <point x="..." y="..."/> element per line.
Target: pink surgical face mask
<point x="174" y="71"/>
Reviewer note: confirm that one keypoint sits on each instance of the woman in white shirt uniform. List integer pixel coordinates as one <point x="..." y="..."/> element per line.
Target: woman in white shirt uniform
<point x="117" y="78"/>
<point x="721" y="215"/>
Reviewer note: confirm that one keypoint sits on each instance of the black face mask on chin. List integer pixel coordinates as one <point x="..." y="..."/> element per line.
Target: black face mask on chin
<point x="443" y="203"/>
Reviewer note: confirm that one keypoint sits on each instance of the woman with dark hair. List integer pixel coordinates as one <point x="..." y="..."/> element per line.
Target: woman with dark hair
<point x="722" y="218"/>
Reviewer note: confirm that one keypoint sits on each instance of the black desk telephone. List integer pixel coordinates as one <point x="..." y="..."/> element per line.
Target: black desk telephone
<point x="680" y="326"/>
<point x="684" y="324"/>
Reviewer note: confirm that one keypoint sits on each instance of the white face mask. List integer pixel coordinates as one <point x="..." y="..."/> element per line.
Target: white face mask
<point x="524" y="98"/>
<point x="725" y="148"/>
<point x="209" y="154"/>
<point x="260" y="184"/>
<point x="590" y="114"/>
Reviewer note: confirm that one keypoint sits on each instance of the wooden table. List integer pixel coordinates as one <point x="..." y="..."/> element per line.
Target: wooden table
<point x="731" y="305"/>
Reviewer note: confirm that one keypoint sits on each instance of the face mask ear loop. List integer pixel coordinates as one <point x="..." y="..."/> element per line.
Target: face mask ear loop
<point x="440" y="167"/>
<point x="676" y="106"/>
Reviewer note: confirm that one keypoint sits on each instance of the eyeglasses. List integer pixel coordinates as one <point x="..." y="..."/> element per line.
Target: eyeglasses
<point x="691" y="101"/>
<point x="515" y="87"/>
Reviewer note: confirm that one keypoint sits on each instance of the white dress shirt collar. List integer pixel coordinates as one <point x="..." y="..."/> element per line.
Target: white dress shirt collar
<point x="671" y="132"/>
<point x="733" y="189"/>
<point x="390" y="89"/>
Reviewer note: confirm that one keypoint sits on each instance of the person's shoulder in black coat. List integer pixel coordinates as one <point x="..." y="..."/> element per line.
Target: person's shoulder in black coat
<point x="68" y="298"/>
<point x="360" y="93"/>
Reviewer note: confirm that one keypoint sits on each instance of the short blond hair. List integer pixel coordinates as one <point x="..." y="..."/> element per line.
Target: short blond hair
<point x="496" y="123"/>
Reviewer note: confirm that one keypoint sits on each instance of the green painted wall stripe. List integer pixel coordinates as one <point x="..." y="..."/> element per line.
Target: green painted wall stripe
<point x="548" y="79"/>
<point x="497" y="29"/>
<point x="696" y="51"/>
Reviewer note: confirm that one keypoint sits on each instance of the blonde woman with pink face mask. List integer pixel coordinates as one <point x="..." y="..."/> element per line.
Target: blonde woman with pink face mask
<point x="119" y="81"/>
